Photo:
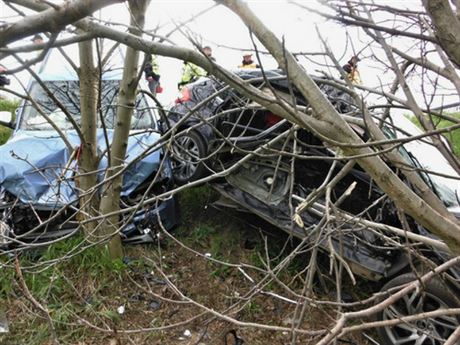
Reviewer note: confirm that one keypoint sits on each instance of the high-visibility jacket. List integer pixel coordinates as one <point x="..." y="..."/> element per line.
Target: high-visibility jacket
<point x="352" y="73"/>
<point x="354" y="76"/>
<point x="252" y="65"/>
<point x="151" y="68"/>
<point x="191" y="72"/>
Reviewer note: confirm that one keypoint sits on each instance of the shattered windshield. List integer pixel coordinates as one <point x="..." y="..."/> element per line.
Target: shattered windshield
<point x="67" y="92"/>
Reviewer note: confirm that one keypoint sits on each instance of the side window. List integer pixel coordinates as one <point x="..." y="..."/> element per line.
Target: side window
<point x="143" y="114"/>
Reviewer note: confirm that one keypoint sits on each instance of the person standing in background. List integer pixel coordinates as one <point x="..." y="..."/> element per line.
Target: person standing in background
<point x="152" y="75"/>
<point x="248" y="62"/>
<point x="351" y="68"/>
<point x="192" y="72"/>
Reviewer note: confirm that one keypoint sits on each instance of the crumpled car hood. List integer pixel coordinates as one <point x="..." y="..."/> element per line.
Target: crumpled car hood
<point x="35" y="167"/>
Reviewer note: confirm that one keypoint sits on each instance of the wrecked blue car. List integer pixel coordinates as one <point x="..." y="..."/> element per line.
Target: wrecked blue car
<point x="39" y="195"/>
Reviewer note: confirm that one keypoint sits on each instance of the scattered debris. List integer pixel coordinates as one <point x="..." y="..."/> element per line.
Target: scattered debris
<point x="4" y="328"/>
<point x="121" y="310"/>
<point x="236" y="340"/>
<point x="187" y="333"/>
<point x="150" y="277"/>
<point x="137" y="297"/>
<point x="127" y="260"/>
<point x="154" y="305"/>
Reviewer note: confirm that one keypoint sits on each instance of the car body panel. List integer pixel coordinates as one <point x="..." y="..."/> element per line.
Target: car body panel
<point x="38" y="167"/>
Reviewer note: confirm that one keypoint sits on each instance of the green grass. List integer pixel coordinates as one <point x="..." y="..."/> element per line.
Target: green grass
<point x="62" y="284"/>
<point x="6" y="105"/>
<point x="4" y="134"/>
<point x="47" y="281"/>
<point x="453" y="136"/>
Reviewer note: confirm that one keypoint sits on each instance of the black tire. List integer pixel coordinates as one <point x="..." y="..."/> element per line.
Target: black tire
<point x="188" y="151"/>
<point x="433" y="331"/>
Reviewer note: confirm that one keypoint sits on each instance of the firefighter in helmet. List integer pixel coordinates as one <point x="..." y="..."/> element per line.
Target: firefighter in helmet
<point x="248" y="62"/>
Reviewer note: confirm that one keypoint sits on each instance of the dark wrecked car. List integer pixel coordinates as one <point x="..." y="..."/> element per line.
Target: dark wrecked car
<point x="38" y="191"/>
<point x="214" y="136"/>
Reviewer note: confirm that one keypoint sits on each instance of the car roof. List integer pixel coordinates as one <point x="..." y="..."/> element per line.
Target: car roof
<point x="257" y="72"/>
<point x="69" y="74"/>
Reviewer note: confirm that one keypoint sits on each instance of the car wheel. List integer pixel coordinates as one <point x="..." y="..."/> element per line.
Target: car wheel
<point x="188" y="152"/>
<point x="429" y="331"/>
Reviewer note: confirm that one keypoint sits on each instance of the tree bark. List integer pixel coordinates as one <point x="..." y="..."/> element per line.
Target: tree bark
<point x="51" y="19"/>
<point x="447" y="27"/>
<point x="110" y="201"/>
<point x="88" y="159"/>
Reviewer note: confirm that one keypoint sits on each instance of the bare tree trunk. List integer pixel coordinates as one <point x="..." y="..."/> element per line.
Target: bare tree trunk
<point x="447" y="27"/>
<point x="126" y="101"/>
<point x="457" y="5"/>
<point x="88" y="162"/>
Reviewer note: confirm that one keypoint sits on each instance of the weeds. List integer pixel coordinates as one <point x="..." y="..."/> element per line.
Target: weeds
<point x="6" y="105"/>
<point x="67" y="282"/>
<point x="453" y="136"/>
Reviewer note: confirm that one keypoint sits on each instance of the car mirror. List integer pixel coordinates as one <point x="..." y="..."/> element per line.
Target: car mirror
<point x="6" y="119"/>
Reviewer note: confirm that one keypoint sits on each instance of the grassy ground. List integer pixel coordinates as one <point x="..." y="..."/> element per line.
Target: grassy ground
<point x="453" y="136"/>
<point x="6" y="105"/>
<point x="91" y="287"/>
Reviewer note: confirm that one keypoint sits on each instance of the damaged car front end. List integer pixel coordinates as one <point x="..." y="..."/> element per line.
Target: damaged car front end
<point x="39" y="186"/>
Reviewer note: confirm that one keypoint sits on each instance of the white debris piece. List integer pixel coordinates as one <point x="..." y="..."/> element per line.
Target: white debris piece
<point x="187" y="333"/>
<point x="4" y="328"/>
<point x="121" y="309"/>
<point x="208" y="255"/>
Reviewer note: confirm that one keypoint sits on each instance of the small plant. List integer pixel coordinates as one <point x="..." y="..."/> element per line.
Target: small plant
<point x="202" y="233"/>
<point x="6" y="105"/>
<point x="252" y="308"/>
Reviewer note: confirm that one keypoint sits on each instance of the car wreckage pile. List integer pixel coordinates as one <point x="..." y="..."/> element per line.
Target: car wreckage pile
<point x="258" y="162"/>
